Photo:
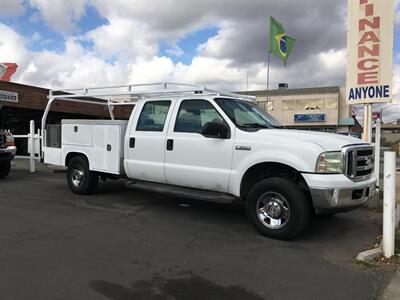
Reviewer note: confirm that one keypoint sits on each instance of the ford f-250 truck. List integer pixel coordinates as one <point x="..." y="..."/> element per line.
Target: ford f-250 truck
<point x="205" y="144"/>
<point x="7" y="152"/>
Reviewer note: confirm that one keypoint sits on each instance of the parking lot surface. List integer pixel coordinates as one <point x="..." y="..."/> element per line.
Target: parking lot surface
<point x="125" y="244"/>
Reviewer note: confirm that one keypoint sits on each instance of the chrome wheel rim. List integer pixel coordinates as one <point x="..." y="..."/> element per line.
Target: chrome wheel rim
<point x="77" y="175"/>
<point x="273" y="210"/>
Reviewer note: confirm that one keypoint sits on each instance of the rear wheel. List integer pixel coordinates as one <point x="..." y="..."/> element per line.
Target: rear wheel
<point x="278" y="208"/>
<point x="5" y="168"/>
<point x="80" y="179"/>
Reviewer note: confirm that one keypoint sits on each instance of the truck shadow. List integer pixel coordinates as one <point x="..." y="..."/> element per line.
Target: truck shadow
<point x="322" y="229"/>
<point x="160" y="288"/>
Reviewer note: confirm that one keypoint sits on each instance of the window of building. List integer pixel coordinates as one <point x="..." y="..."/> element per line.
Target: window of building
<point x="331" y="103"/>
<point x="302" y="104"/>
<point x="153" y="115"/>
<point x="263" y="105"/>
<point x="194" y="114"/>
<point x="288" y="105"/>
<point x="316" y="104"/>
<point x="270" y="105"/>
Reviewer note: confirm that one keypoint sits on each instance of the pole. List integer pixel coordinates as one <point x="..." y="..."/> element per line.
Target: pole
<point x="370" y="123"/>
<point x="389" y="203"/>
<point x="367" y="130"/>
<point x="266" y="99"/>
<point x="377" y="148"/>
<point x="32" y="146"/>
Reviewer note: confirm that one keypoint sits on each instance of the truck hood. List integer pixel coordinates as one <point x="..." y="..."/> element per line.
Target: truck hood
<point x="327" y="141"/>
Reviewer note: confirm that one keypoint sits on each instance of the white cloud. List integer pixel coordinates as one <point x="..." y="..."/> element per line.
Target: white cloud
<point x="11" y="8"/>
<point x="157" y="69"/>
<point x="333" y="59"/>
<point x="175" y="50"/>
<point x="123" y="37"/>
<point x="60" y="15"/>
<point x="12" y="47"/>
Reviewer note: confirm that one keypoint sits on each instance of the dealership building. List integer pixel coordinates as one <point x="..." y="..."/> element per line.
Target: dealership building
<point x="320" y="108"/>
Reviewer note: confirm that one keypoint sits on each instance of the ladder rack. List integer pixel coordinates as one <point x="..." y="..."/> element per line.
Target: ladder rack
<point x="111" y="96"/>
<point x="129" y="94"/>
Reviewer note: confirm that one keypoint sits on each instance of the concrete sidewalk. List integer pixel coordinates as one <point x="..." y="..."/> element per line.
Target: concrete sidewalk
<point x="392" y="290"/>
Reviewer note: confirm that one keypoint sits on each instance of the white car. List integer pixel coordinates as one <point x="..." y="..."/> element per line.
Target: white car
<point x="218" y="146"/>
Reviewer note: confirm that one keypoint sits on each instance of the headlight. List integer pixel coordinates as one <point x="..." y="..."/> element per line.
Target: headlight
<point x="9" y="140"/>
<point x="330" y="162"/>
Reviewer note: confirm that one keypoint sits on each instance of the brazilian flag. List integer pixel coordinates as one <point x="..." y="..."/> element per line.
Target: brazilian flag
<point x="280" y="44"/>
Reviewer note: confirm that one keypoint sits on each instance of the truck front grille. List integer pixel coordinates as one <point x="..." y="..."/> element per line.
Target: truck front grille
<point x="359" y="162"/>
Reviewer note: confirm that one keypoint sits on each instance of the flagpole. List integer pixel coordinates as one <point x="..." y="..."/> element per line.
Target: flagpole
<point x="266" y="100"/>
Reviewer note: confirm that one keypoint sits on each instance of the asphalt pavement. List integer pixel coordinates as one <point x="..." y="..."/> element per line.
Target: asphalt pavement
<point x="123" y="244"/>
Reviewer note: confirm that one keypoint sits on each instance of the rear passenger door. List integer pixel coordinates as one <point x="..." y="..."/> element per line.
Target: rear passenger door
<point x="145" y="157"/>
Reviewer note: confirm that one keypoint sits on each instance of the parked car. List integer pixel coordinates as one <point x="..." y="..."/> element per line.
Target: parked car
<point x="221" y="147"/>
<point x="7" y="152"/>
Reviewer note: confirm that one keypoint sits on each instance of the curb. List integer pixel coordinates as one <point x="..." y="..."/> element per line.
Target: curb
<point x="368" y="255"/>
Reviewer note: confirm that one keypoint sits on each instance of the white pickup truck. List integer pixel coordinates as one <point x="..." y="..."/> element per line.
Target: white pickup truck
<point x="217" y="146"/>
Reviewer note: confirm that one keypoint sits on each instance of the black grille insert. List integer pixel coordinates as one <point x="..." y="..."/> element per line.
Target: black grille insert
<point x="359" y="162"/>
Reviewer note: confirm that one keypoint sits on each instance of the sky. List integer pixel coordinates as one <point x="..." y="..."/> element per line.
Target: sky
<point x="222" y="44"/>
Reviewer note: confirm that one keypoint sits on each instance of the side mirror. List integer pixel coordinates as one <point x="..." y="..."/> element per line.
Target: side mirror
<point x="215" y="130"/>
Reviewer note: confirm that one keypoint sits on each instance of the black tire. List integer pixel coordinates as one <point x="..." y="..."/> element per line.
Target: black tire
<point x="285" y="201"/>
<point x="5" y="168"/>
<point x="81" y="183"/>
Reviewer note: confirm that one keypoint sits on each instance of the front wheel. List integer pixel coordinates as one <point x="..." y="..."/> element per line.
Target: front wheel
<point x="278" y="208"/>
<point x="80" y="179"/>
<point x="5" y="168"/>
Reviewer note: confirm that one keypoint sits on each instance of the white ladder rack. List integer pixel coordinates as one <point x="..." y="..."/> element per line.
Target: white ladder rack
<point x="114" y="95"/>
<point x="111" y="96"/>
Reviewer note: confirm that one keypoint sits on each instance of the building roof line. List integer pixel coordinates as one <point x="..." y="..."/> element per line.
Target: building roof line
<point x="295" y="91"/>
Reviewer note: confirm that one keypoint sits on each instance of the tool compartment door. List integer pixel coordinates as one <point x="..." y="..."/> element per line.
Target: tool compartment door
<point x="106" y="148"/>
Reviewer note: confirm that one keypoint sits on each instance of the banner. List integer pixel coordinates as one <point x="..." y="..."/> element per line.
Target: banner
<point x="369" y="51"/>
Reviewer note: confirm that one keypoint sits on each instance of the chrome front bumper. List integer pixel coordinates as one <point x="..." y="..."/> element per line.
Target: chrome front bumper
<point x="328" y="200"/>
<point x="10" y="149"/>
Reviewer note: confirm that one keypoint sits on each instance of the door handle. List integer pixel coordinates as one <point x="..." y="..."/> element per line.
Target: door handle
<point x="108" y="147"/>
<point x="170" y="145"/>
<point x="132" y="142"/>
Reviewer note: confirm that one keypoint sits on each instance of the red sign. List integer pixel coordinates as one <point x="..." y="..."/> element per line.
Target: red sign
<point x="376" y="115"/>
<point x="7" y="70"/>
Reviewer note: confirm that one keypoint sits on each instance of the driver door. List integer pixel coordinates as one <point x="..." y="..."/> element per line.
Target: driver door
<point x="192" y="160"/>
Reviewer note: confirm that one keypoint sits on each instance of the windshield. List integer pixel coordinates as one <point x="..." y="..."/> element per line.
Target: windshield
<point x="247" y="115"/>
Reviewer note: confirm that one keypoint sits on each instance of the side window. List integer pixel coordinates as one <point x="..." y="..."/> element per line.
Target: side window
<point x="194" y="114"/>
<point x="153" y="115"/>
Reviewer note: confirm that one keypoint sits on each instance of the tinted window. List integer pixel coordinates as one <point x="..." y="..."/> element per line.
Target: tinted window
<point x="246" y="114"/>
<point x="193" y="114"/>
<point x="153" y="115"/>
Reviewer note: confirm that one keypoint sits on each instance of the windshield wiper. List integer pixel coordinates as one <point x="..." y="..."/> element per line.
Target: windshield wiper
<point x="256" y="125"/>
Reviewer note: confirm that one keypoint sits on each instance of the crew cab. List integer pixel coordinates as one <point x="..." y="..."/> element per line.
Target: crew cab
<point x="7" y="152"/>
<point x="217" y="146"/>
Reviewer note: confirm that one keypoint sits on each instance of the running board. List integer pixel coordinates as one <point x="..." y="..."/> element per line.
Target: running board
<point x="182" y="192"/>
